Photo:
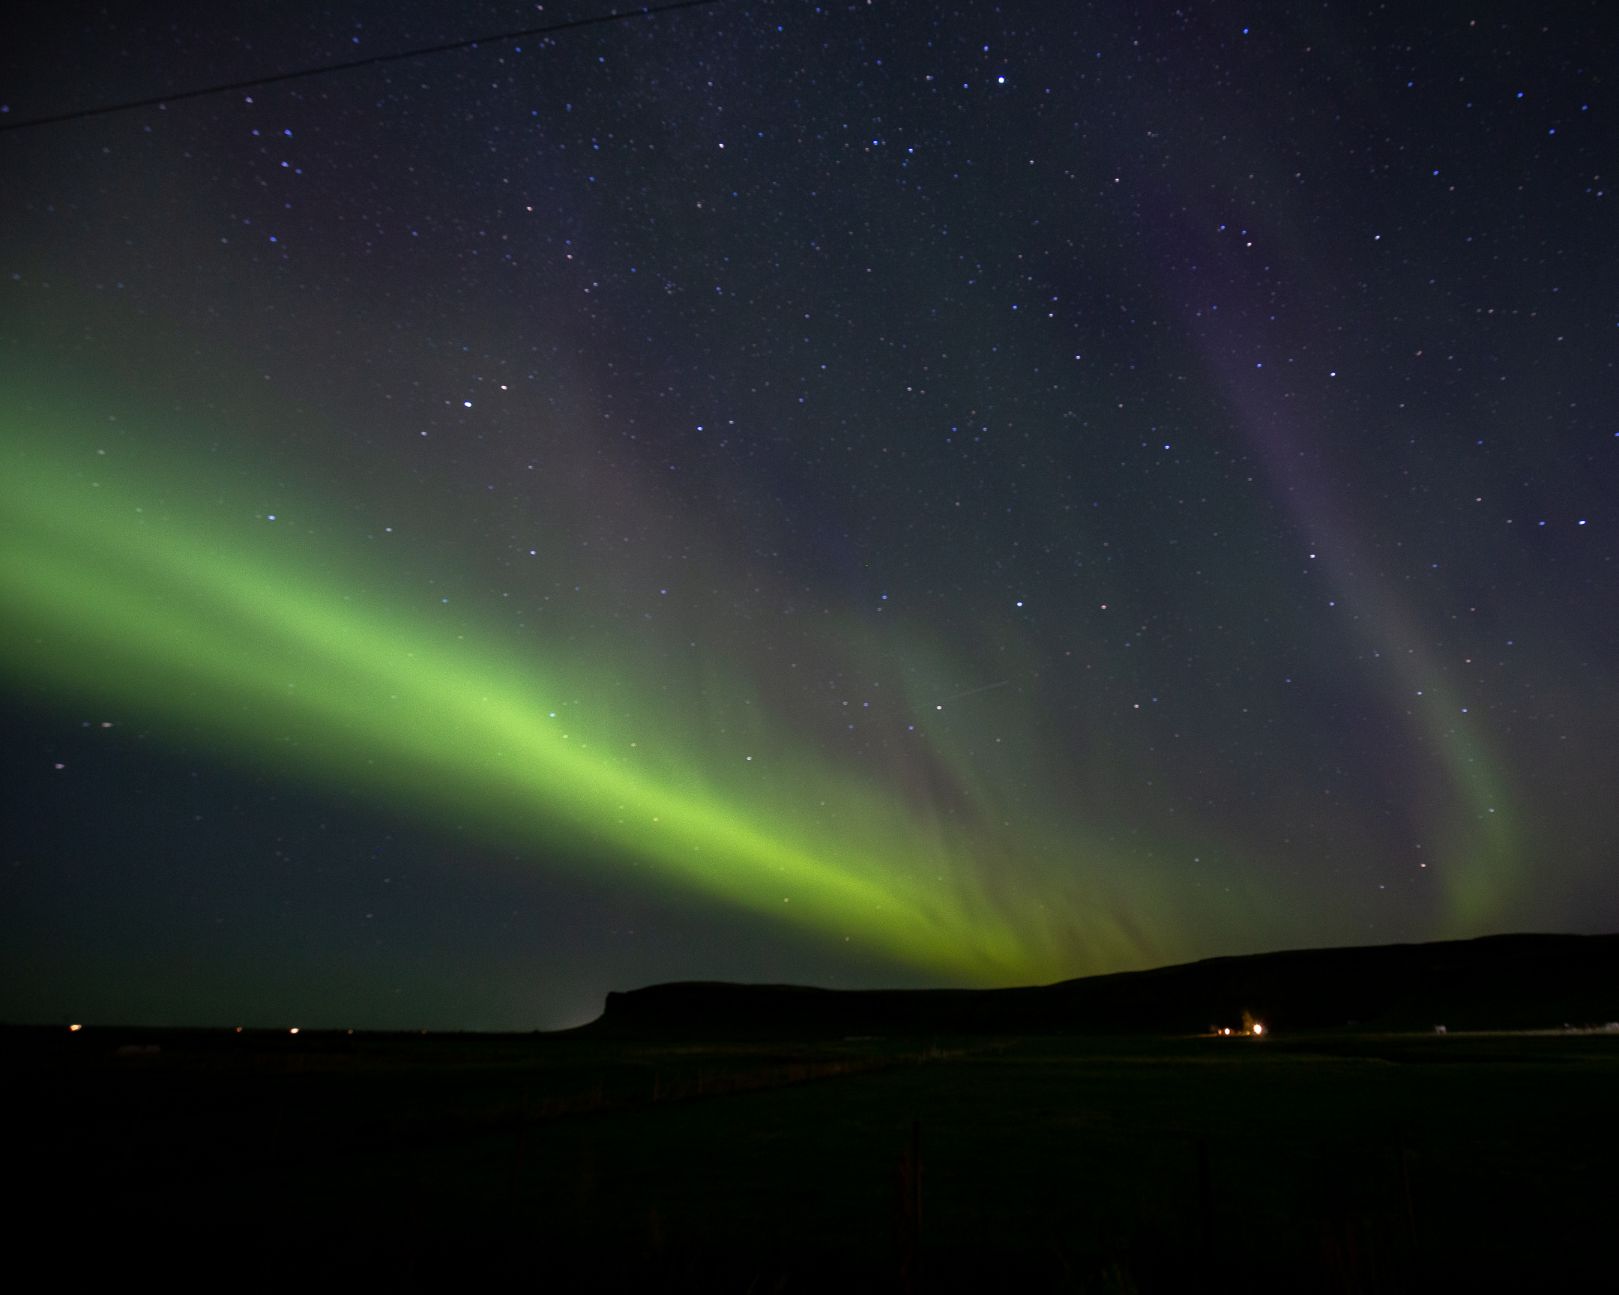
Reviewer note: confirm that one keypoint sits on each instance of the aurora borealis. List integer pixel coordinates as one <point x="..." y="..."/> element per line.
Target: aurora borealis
<point x="865" y="496"/>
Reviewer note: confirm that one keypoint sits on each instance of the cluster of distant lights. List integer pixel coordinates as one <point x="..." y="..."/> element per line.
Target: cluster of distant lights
<point x="1255" y="1031"/>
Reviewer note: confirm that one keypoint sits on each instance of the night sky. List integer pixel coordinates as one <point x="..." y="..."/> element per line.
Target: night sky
<point x="869" y="494"/>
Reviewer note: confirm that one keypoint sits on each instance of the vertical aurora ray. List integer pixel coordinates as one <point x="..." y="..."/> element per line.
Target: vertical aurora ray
<point x="160" y="592"/>
<point x="1473" y="808"/>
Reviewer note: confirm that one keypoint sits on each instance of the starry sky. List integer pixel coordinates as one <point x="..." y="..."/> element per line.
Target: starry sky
<point x="866" y="494"/>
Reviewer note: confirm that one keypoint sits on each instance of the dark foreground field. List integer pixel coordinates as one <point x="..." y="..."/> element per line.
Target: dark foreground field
<point x="1330" y="1162"/>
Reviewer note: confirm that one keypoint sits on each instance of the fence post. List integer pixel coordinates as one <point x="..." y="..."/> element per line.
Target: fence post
<point x="1403" y="1158"/>
<point x="910" y="1212"/>
<point x="1205" y="1200"/>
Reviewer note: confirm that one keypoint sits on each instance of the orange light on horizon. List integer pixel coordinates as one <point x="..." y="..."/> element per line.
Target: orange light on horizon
<point x="1258" y="1029"/>
<point x="74" y="1029"/>
<point x="293" y="1030"/>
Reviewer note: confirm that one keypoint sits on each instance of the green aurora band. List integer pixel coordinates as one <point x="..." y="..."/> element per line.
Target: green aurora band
<point x="133" y="577"/>
<point x="165" y="593"/>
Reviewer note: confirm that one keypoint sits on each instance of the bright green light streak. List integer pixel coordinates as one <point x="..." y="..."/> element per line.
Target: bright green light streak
<point x="264" y="649"/>
<point x="1484" y="851"/>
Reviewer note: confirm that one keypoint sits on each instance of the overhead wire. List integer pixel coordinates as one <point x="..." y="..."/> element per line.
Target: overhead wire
<point x="349" y="65"/>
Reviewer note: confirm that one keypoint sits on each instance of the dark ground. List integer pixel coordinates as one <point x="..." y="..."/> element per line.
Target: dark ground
<point x="1336" y="1161"/>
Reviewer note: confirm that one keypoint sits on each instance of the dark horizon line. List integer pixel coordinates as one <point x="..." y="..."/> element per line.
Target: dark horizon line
<point x="293" y="1030"/>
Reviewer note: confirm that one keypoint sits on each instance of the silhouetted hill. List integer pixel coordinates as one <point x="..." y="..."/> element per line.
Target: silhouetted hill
<point x="1498" y="982"/>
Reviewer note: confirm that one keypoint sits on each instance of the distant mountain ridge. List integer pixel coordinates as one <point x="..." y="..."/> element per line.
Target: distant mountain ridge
<point x="1494" y="982"/>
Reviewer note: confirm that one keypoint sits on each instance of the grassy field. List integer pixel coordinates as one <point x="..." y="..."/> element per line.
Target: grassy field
<point x="1342" y="1162"/>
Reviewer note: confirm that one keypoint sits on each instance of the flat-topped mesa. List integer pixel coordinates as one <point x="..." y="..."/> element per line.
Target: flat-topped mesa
<point x="1495" y="982"/>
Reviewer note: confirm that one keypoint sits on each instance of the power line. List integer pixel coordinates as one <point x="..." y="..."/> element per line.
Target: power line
<point x="79" y="114"/>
